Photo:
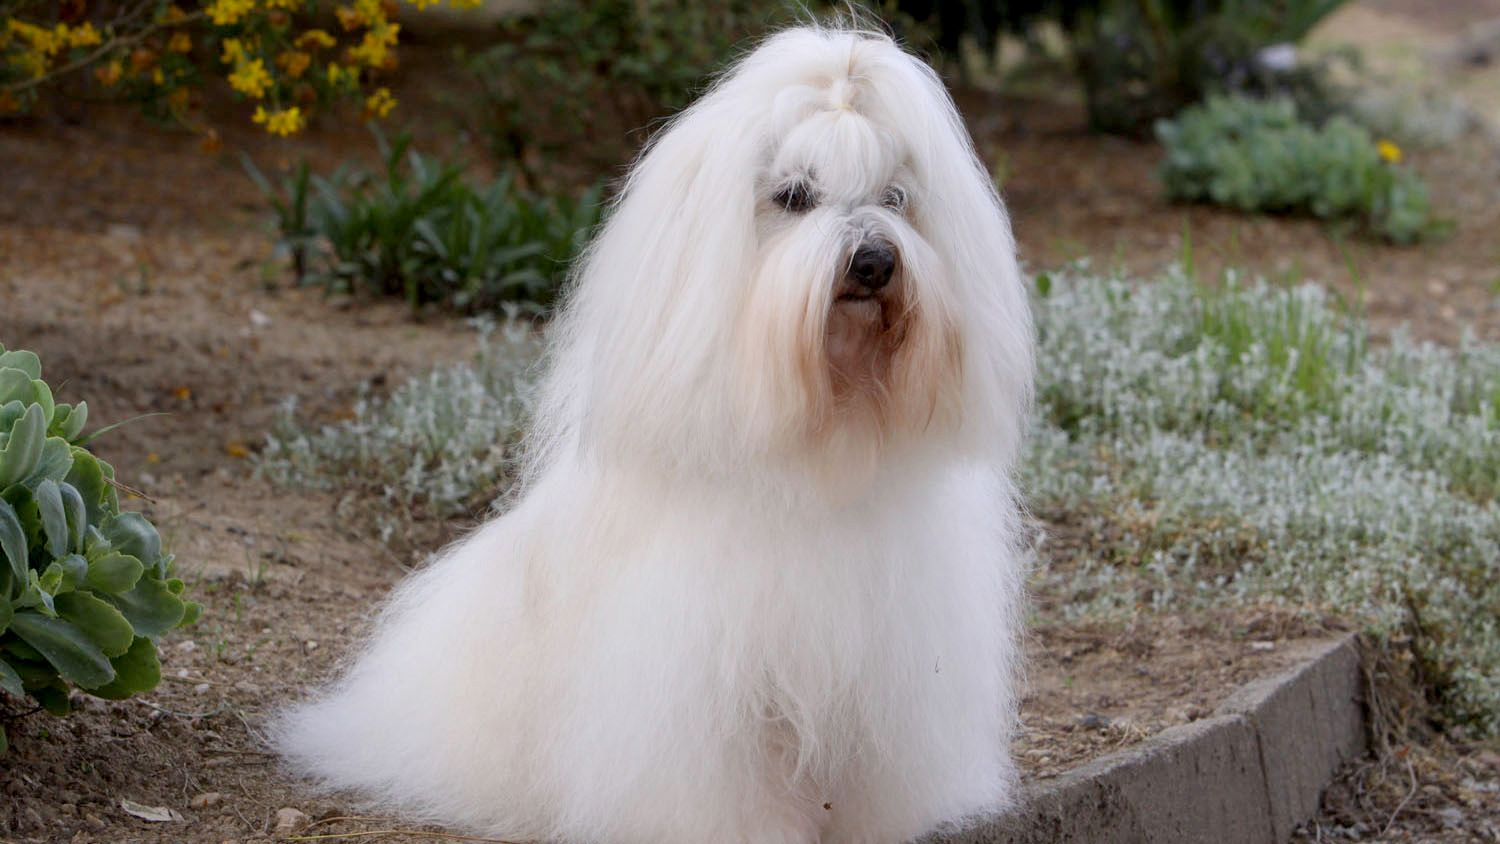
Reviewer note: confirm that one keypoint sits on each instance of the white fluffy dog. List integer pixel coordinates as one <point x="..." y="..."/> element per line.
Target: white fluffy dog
<point x="762" y="581"/>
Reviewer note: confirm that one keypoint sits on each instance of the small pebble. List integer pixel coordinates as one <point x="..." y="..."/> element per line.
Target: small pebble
<point x="1262" y="646"/>
<point x="290" y="820"/>
<point x="206" y="799"/>
<point x="1093" y="721"/>
<point x="200" y="688"/>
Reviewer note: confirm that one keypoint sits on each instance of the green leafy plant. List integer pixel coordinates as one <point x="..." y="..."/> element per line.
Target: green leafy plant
<point x="583" y="82"/>
<point x="1260" y="156"/>
<point x="417" y="229"/>
<point x="1140" y="60"/>
<point x="85" y="588"/>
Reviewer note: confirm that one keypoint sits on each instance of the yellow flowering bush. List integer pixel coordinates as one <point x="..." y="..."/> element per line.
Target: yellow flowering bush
<point x="272" y="53"/>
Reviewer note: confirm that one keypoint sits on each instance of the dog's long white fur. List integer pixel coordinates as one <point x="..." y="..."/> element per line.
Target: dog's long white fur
<point x="728" y="604"/>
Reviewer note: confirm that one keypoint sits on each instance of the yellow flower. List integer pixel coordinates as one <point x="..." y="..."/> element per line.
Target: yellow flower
<point x="348" y="18"/>
<point x="83" y="36"/>
<point x="341" y="76"/>
<point x="465" y="4"/>
<point x="180" y="42"/>
<point x="227" y="12"/>
<point x="315" y="39"/>
<point x="371" y="12"/>
<point x="43" y="41"/>
<point x="282" y="122"/>
<point x="375" y="46"/>
<point x="1389" y="151"/>
<point x="380" y="103"/>
<point x="294" y="62"/>
<point x="109" y="74"/>
<point x="234" y="51"/>
<point x="283" y="4"/>
<point x="423" y="4"/>
<point x="251" y="78"/>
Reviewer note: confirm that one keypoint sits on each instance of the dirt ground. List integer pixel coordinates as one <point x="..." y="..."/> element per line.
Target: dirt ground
<point x="139" y="268"/>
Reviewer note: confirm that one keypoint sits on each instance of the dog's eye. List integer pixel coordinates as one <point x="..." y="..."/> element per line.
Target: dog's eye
<point x="795" y="198"/>
<point x="894" y="198"/>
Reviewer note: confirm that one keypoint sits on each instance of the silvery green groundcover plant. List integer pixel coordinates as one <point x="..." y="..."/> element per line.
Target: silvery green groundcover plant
<point x="1242" y="443"/>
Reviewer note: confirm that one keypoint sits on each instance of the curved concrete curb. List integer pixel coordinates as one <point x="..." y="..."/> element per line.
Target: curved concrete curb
<point x="1249" y="773"/>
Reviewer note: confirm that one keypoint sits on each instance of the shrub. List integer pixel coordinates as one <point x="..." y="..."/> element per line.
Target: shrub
<point x="442" y="445"/>
<point x="584" y="81"/>
<point x="271" y="52"/>
<point x="1140" y="60"/>
<point x="417" y="229"/>
<point x="85" y="588"/>
<point x="1250" y="444"/>
<point x="1258" y="156"/>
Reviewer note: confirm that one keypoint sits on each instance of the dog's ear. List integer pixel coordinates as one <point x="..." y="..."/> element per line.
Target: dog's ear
<point x="662" y="280"/>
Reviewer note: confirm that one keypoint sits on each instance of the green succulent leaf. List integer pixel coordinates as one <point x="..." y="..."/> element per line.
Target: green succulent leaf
<point x="192" y="611"/>
<point x="23" y="360"/>
<point x="88" y="477"/>
<point x="75" y="571"/>
<point x="75" y="656"/>
<point x="151" y="607"/>
<point x="76" y="514"/>
<point x="6" y="613"/>
<point x="10" y="411"/>
<point x="131" y="534"/>
<point x="24" y="450"/>
<point x="68" y="420"/>
<point x="137" y="670"/>
<point x="104" y="625"/>
<point x="49" y="503"/>
<point x="15" y="385"/>
<point x="42" y="395"/>
<point x="57" y="459"/>
<point x="10" y="681"/>
<point x="114" y="573"/>
<point x="13" y="541"/>
<point x="35" y="595"/>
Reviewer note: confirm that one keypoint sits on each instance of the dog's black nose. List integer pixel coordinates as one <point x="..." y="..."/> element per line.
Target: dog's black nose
<point x="872" y="266"/>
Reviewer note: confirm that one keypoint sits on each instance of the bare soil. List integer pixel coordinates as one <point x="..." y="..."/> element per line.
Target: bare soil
<point x="139" y="268"/>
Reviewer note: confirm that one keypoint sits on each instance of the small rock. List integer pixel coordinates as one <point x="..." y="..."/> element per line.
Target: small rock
<point x="187" y="647"/>
<point x="289" y="820"/>
<point x="1093" y="721"/>
<point x="311" y="645"/>
<point x="200" y="688"/>
<point x="258" y="319"/>
<point x="1451" y="817"/>
<point x="154" y="814"/>
<point x="93" y="820"/>
<point x="205" y="800"/>
<point x="247" y="687"/>
<point x="1262" y="646"/>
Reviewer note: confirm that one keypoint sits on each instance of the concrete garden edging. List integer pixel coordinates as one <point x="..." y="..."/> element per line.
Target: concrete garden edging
<point x="1248" y="774"/>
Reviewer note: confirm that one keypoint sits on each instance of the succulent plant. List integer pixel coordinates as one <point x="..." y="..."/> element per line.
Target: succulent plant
<point x="85" y="588"/>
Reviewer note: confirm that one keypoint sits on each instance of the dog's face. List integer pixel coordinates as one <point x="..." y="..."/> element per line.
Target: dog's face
<point x="856" y="296"/>
<point x="809" y="255"/>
